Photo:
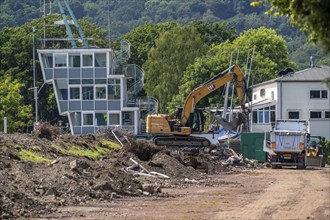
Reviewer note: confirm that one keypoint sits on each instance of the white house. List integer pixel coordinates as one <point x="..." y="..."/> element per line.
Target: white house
<point x="301" y="95"/>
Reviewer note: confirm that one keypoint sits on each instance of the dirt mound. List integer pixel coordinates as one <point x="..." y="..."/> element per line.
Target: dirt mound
<point x="38" y="175"/>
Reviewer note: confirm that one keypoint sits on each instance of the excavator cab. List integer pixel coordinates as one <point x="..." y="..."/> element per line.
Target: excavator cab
<point x="195" y="120"/>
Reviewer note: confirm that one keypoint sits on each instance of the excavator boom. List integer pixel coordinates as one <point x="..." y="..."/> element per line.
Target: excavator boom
<point x="178" y="131"/>
<point x="234" y="72"/>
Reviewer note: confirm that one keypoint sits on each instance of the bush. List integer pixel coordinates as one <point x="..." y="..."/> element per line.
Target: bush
<point x="326" y="149"/>
<point x="45" y="130"/>
<point x="143" y="150"/>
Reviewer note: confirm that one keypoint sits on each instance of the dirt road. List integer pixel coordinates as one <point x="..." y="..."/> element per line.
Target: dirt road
<point x="255" y="194"/>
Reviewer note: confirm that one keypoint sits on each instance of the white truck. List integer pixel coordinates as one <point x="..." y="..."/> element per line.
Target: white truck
<point x="288" y="143"/>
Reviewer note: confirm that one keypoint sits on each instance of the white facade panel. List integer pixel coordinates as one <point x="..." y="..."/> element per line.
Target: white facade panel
<point x="293" y="98"/>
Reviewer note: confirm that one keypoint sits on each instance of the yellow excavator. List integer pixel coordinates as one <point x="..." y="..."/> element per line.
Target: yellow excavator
<point x="184" y="128"/>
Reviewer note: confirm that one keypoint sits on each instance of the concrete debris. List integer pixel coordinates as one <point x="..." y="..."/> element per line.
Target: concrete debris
<point x="138" y="170"/>
<point x="151" y="188"/>
<point x="186" y="180"/>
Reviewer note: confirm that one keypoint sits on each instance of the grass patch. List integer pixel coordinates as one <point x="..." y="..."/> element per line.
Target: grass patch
<point x="31" y="156"/>
<point x="110" y="144"/>
<point x="93" y="152"/>
<point x="77" y="151"/>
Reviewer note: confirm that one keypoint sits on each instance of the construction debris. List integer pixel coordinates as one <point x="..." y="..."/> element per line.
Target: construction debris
<point x="62" y="177"/>
<point x="138" y="169"/>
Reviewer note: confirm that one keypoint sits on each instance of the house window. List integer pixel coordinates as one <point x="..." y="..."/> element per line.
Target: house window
<point x="324" y="94"/>
<point x="75" y="92"/>
<point x="327" y="114"/>
<point x="61" y="86"/>
<point x="101" y="92"/>
<point x="255" y="97"/>
<point x="113" y="89"/>
<point x="88" y="119"/>
<point x="273" y="95"/>
<point x="48" y="60"/>
<point x="272" y="113"/>
<point x="60" y="60"/>
<point x="87" y="60"/>
<point x="101" y="119"/>
<point x="315" y="114"/>
<point x="87" y="92"/>
<point x="76" y="118"/>
<point x="74" y="60"/>
<point x="100" y="60"/>
<point x="262" y="93"/>
<point x="100" y="81"/>
<point x="128" y="118"/>
<point x="255" y="116"/>
<point x="74" y="81"/>
<point x="318" y="94"/>
<point x="264" y="115"/>
<point x="294" y="115"/>
<point x="114" y="119"/>
<point x="87" y="81"/>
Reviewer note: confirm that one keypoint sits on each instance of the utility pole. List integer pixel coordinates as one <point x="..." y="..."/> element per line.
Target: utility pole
<point x="35" y="89"/>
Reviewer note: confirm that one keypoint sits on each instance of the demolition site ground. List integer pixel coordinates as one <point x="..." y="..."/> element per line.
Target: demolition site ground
<point x="94" y="177"/>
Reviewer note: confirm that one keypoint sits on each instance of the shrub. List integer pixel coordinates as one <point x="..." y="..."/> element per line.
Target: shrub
<point x="45" y="130"/>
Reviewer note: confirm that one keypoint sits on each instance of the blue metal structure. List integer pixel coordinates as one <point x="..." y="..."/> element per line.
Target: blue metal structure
<point x="81" y="33"/>
<point x="67" y="26"/>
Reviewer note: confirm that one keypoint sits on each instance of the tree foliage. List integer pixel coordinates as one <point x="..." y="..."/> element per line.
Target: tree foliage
<point x="143" y="38"/>
<point x="174" y="51"/>
<point x="125" y="15"/>
<point x="270" y="56"/>
<point x="19" y="115"/>
<point x="310" y="16"/>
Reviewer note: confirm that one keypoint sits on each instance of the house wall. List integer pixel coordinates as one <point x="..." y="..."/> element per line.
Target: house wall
<point x="295" y="97"/>
<point x="258" y="101"/>
<point x="269" y="88"/>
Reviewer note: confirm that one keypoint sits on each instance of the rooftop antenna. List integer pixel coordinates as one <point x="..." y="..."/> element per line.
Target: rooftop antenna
<point x="311" y="62"/>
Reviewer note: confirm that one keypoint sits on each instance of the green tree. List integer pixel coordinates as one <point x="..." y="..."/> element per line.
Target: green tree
<point x="270" y="56"/>
<point x="215" y="33"/>
<point x="311" y="16"/>
<point x="174" y="51"/>
<point x="19" y="115"/>
<point x="143" y="38"/>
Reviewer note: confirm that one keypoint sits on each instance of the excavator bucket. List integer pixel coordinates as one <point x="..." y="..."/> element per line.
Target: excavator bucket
<point x="235" y="122"/>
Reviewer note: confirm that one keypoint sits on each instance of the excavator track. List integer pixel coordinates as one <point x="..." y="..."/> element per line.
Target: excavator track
<point x="181" y="141"/>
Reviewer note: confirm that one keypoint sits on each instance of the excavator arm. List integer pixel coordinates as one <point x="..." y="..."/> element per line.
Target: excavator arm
<point x="233" y="73"/>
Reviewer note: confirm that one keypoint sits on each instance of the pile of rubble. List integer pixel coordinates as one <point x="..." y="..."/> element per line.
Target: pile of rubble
<point x="139" y="168"/>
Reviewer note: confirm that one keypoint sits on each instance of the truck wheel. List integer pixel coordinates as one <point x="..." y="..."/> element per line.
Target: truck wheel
<point x="301" y="167"/>
<point x="323" y="160"/>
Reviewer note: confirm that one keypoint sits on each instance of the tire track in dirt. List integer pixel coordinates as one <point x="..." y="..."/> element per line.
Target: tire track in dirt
<point x="295" y="194"/>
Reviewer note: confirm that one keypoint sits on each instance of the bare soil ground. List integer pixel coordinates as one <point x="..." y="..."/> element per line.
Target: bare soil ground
<point x="258" y="194"/>
<point x="213" y="184"/>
